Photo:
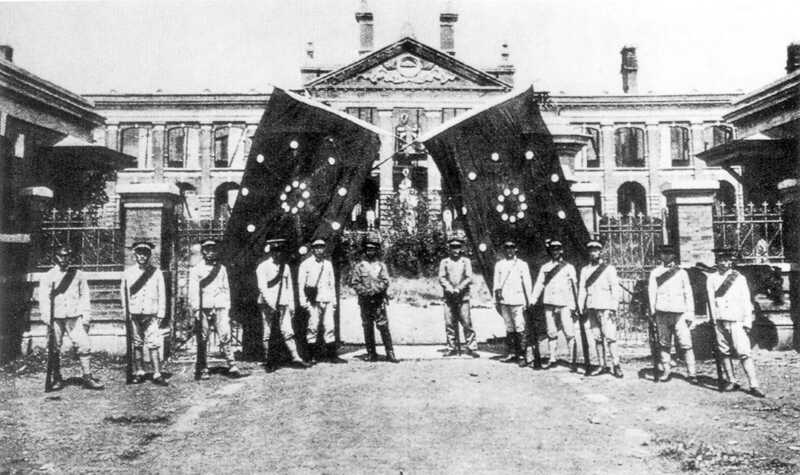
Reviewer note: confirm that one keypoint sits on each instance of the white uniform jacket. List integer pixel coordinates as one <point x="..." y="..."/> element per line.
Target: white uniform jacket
<point x="736" y="305"/>
<point x="151" y="299"/>
<point x="73" y="302"/>
<point x="604" y="293"/>
<point x="674" y="295"/>
<point x="266" y="272"/>
<point x="513" y="277"/>
<point x="216" y="294"/>
<point x="317" y="274"/>
<point x="559" y="290"/>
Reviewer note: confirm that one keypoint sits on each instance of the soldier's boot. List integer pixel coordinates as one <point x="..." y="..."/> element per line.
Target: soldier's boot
<point x="386" y="336"/>
<point x="511" y="345"/>
<point x="58" y="380"/>
<point x="521" y="350"/>
<point x="369" y="342"/>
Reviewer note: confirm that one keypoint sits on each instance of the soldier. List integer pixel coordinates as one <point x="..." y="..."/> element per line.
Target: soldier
<point x="143" y="288"/>
<point x="599" y="295"/>
<point x="210" y="301"/>
<point x="729" y="299"/>
<point x="512" y="288"/>
<point x="318" y="296"/>
<point x="276" y="299"/>
<point x="64" y="303"/>
<point x="455" y="277"/>
<point x="672" y="304"/>
<point x="556" y="284"/>
<point x="370" y="281"/>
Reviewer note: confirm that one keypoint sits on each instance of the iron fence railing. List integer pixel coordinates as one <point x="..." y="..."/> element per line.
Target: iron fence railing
<point x="94" y="235"/>
<point x="756" y="232"/>
<point x="631" y="243"/>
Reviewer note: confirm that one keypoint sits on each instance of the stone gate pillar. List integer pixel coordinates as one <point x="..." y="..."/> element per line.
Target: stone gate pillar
<point x="587" y="199"/>
<point x="690" y="222"/>
<point x="148" y="213"/>
<point x="790" y="197"/>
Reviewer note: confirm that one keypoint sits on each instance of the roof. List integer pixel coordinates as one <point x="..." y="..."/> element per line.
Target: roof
<point x="91" y="156"/>
<point x="27" y="85"/>
<point x="408" y="45"/>
<point x="738" y="152"/>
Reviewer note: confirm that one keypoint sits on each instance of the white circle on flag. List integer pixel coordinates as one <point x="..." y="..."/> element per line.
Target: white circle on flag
<point x="562" y="214"/>
<point x="342" y="191"/>
<point x="554" y="178"/>
<point x="303" y="250"/>
<point x="245" y="192"/>
<point x="260" y="158"/>
<point x="529" y="155"/>
<point x="331" y="161"/>
<point x="293" y="144"/>
<point x="306" y="194"/>
<point x="495" y="156"/>
<point x="482" y="247"/>
<point x="499" y="208"/>
<point x="335" y="225"/>
<point x="295" y="184"/>
<point x="472" y="176"/>
<point x="251" y="228"/>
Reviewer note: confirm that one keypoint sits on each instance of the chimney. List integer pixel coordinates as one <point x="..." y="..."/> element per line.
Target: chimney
<point x="792" y="57"/>
<point x="310" y="50"/>
<point x="7" y="52"/>
<point x="447" y="25"/>
<point x="365" y="28"/>
<point x="629" y="69"/>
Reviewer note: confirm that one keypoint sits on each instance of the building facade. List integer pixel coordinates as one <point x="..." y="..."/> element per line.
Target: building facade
<point x="620" y="147"/>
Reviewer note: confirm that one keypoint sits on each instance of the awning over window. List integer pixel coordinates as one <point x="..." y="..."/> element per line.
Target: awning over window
<point x="76" y="153"/>
<point x="746" y="151"/>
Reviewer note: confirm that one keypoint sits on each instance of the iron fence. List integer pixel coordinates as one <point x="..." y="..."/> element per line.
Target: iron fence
<point x="756" y="232"/>
<point x="631" y="243"/>
<point x="94" y="234"/>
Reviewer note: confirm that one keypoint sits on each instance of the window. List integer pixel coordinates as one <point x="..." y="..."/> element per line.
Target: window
<point x="176" y="147"/>
<point x="129" y="141"/>
<point x="367" y="114"/>
<point x="449" y="113"/>
<point x="19" y="146"/>
<point x="716" y="135"/>
<point x="631" y="199"/>
<point x="629" y="147"/>
<point x="593" y="149"/>
<point x="221" y="136"/>
<point x="679" y="146"/>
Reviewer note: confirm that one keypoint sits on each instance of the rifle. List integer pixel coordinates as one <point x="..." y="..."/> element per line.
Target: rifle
<point x="200" y="362"/>
<point x="582" y="326"/>
<point x="715" y="345"/>
<point x="129" y="353"/>
<point x="652" y="337"/>
<point x="533" y="332"/>
<point x="52" y="356"/>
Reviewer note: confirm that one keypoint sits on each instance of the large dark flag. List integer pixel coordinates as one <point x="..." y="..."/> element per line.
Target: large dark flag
<point x="306" y="168"/>
<point x="502" y="178"/>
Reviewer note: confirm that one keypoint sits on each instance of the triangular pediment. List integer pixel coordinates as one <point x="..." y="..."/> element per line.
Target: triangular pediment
<point x="408" y="63"/>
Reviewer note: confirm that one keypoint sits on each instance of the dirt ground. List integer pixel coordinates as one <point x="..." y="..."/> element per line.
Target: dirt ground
<point x="426" y="414"/>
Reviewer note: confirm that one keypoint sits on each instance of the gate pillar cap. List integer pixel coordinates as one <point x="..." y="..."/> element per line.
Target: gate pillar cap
<point x="585" y="188"/>
<point x="690" y="186"/>
<point x="148" y="192"/>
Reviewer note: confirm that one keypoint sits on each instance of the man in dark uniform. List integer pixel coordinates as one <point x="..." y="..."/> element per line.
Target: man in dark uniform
<point x="370" y="281"/>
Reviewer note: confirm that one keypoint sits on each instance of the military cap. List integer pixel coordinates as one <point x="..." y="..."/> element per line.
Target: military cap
<point x="553" y="244"/>
<point x="372" y="240"/>
<point x="208" y="243"/>
<point x="457" y="236"/>
<point x="594" y="244"/>
<point x="142" y="247"/>
<point x="63" y="251"/>
<point x="509" y="243"/>
<point x="319" y="242"/>
<point x="725" y="252"/>
<point x="273" y="244"/>
<point x="666" y="249"/>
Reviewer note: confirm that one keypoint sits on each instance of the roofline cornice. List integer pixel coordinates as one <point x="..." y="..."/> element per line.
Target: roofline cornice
<point x="27" y="85"/>
<point x="768" y="96"/>
<point x="627" y="100"/>
<point x="143" y="100"/>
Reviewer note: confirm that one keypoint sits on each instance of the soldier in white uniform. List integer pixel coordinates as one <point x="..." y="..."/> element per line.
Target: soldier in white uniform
<point x="210" y="301"/>
<point x="276" y="299"/>
<point x="672" y="304"/>
<point x="64" y="303"/>
<point x="317" y="286"/>
<point x="556" y="283"/>
<point x="455" y="277"/>
<point x="598" y="294"/>
<point x="144" y="289"/>
<point x="512" y="291"/>
<point x="729" y="299"/>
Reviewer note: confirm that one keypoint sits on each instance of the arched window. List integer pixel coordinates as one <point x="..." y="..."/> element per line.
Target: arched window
<point x="629" y="147"/>
<point x="224" y="199"/>
<point x="129" y="141"/>
<point x="679" y="146"/>
<point x="726" y="195"/>
<point x="176" y="147"/>
<point x="593" y="149"/>
<point x="716" y="135"/>
<point x="631" y="199"/>
<point x="190" y="202"/>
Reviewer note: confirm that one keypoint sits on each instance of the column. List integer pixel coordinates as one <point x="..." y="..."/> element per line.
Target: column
<point x="607" y="159"/>
<point x="587" y="199"/>
<point x="386" y="170"/>
<point x="653" y="137"/>
<point x="112" y="135"/>
<point x="696" y="141"/>
<point x="158" y="152"/>
<point x="205" y="160"/>
<point x="690" y="222"/>
<point x="148" y="213"/>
